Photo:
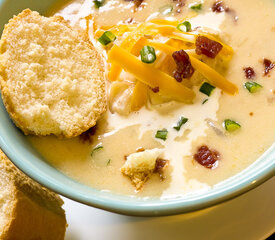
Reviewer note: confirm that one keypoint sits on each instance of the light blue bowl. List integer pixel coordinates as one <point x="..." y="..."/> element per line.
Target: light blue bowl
<point x="14" y="144"/>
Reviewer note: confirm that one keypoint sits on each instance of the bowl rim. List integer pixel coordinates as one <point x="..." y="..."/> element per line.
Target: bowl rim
<point x="249" y="179"/>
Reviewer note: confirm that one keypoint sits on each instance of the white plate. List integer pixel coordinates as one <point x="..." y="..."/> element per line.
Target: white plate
<point x="248" y="217"/>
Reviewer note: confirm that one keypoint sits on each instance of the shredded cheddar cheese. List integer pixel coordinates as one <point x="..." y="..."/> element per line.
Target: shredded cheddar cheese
<point x="150" y="75"/>
<point x="165" y="38"/>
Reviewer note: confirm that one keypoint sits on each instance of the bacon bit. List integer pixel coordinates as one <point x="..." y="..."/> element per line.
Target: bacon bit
<point x="207" y="157"/>
<point x="208" y="47"/>
<point x="251" y="114"/>
<point x="136" y="2"/>
<point x="140" y="149"/>
<point x="184" y="67"/>
<point x="155" y="89"/>
<point x="88" y="135"/>
<point x="249" y="72"/>
<point x="161" y="164"/>
<point x="268" y="66"/>
<point x="129" y="20"/>
<point x="179" y="5"/>
<point x="219" y="7"/>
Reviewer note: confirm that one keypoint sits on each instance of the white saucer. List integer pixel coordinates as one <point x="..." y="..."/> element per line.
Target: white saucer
<point x="248" y="217"/>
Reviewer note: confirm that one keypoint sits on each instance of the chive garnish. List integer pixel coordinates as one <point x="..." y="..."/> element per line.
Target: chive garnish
<point x="96" y="149"/>
<point x="184" y="27"/>
<point x="207" y="88"/>
<point x="99" y="3"/>
<point x="148" y="54"/>
<point x="196" y="6"/>
<point x="252" y="87"/>
<point x="166" y="9"/>
<point x="180" y="122"/>
<point x="109" y="161"/>
<point x="231" y="125"/>
<point x="205" y="100"/>
<point x="162" y="134"/>
<point x="107" y="37"/>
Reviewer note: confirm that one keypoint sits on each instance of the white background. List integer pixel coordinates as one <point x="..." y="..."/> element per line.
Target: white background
<point x="248" y="217"/>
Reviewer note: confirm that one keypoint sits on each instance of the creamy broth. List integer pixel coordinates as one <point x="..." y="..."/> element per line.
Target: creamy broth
<point x="252" y="38"/>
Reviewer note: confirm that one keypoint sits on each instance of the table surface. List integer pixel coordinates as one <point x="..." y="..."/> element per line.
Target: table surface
<point x="248" y="217"/>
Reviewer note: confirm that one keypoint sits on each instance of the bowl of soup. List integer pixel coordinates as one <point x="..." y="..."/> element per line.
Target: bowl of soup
<point x="191" y="106"/>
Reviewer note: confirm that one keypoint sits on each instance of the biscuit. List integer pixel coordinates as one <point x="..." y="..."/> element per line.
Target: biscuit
<point x="28" y="210"/>
<point x="51" y="77"/>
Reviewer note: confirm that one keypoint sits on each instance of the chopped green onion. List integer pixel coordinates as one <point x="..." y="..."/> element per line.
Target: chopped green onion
<point x="96" y="149"/>
<point x="106" y="38"/>
<point x="109" y="161"/>
<point x="99" y="3"/>
<point x="207" y="88"/>
<point x="252" y="86"/>
<point x="181" y="122"/>
<point x="205" y="100"/>
<point x="162" y="134"/>
<point x="196" y="6"/>
<point x="184" y="27"/>
<point x="231" y="125"/>
<point x="148" y="54"/>
<point x="167" y="9"/>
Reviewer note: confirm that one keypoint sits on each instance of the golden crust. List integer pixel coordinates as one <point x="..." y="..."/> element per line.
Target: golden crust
<point x="36" y="212"/>
<point x="90" y="116"/>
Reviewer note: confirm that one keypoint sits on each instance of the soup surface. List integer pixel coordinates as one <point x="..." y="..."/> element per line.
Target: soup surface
<point x="96" y="159"/>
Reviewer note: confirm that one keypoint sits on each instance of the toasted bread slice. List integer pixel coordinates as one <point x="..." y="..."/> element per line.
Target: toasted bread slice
<point x="51" y="77"/>
<point x="28" y="210"/>
<point x="140" y="166"/>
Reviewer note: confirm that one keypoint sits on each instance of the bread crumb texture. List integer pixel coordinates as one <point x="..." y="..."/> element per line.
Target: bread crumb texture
<point x="140" y="166"/>
<point x="52" y="79"/>
<point x="28" y="210"/>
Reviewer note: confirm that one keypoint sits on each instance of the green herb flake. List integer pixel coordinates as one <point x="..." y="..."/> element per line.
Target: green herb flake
<point x="99" y="3"/>
<point x="162" y="134"/>
<point x="205" y="100"/>
<point x="207" y="88"/>
<point x="252" y="87"/>
<point x="108" y="163"/>
<point x="165" y="10"/>
<point x="231" y="125"/>
<point x="185" y="26"/>
<point x="196" y="6"/>
<point x="106" y="38"/>
<point x="96" y="148"/>
<point x="180" y="122"/>
<point x="148" y="54"/>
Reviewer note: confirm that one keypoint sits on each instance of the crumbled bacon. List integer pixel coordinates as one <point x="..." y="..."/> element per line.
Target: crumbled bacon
<point x="129" y="20"/>
<point x="155" y="89"/>
<point x="88" y="135"/>
<point x="207" y="47"/>
<point x="184" y="67"/>
<point x="161" y="164"/>
<point x="249" y="72"/>
<point x="268" y="66"/>
<point x="219" y="7"/>
<point x="207" y="157"/>
<point x="179" y="3"/>
<point x="136" y="2"/>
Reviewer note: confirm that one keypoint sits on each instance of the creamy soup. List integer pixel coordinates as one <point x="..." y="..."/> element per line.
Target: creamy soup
<point x="96" y="158"/>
